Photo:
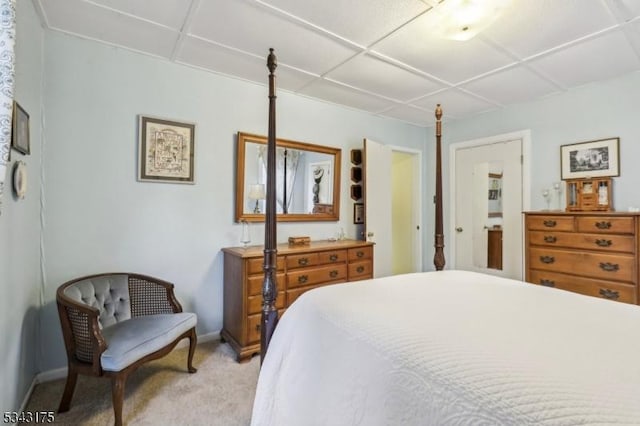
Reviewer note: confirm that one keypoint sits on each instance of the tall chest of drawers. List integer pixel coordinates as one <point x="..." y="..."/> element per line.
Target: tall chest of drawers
<point x="589" y="253"/>
<point x="299" y="269"/>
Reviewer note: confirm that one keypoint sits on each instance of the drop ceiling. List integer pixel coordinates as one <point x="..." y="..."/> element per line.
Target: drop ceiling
<point x="374" y="55"/>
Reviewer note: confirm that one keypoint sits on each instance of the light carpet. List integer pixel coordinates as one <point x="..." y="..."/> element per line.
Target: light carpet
<point x="162" y="392"/>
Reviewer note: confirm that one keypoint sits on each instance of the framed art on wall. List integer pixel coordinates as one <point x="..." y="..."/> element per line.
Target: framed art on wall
<point x="20" y="130"/>
<point x="358" y="213"/>
<point x="165" y="150"/>
<point x="599" y="158"/>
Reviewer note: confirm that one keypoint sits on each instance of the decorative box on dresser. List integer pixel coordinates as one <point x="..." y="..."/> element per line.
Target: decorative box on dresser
<point x="590" y="253"/>
<point x="299" y="268"/>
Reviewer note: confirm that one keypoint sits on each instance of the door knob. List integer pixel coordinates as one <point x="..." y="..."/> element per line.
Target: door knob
<point x="458" y="229"/>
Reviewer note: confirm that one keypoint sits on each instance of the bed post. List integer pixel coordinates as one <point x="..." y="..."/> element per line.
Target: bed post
<point x="438" y="258"/>
<point x="269" y="291"/>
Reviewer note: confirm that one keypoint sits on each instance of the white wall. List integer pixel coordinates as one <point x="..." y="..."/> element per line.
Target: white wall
<point x="98" y="218"/>
<point x="595" y="111"/>
<point x="20" y="276"/>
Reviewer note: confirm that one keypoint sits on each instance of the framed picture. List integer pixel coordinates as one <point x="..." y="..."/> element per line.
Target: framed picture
<point x="20" y="130"/>
<point x="358" y="213"/>
<point x="165" y="150"/>
<point x="592" y="159"/>
<point x="495" y="195"/>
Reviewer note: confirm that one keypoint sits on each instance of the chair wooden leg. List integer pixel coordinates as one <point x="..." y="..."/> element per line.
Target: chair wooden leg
<point x="69" y="387"/>
<point x="117" y="395"/>
<point x="193" y="340"/>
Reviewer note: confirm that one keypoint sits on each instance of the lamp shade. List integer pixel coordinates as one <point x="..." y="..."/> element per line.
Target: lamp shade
<point x="257" y="192"/>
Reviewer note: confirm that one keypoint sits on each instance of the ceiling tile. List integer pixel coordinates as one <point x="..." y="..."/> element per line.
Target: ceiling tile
<point x="628" y="9"/>
<point x="511" y="86"/>
<point x="361" y="21"/>
<point x="537" y="26"/>
<point x="374" y="75"/>
<point x="171" y="13"/>
<point x="209" y="56"/>
<point x="411" y="115"/>
<point x="604" y="57"/>
<point x="339" y="94"/>
<point x="87" y="20"/>
<point x="455" y="103"/>
<point x="253" y="29"/>
<point x="450" y="60"/>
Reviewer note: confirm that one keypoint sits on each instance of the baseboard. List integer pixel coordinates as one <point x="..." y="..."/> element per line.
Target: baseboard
<point x="27" y="396"/>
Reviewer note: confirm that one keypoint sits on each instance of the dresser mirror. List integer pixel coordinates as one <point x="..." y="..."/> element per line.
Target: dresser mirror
<point x="307" y="180"/>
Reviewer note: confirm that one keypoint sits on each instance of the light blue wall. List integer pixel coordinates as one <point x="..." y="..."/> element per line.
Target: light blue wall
<point x="20" y="275"/>
<point x="99" y="218"/>
<point x="595" y="111"/>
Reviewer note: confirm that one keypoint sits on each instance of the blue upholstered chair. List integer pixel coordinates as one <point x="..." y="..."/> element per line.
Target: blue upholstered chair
<point x="113" y="323"/>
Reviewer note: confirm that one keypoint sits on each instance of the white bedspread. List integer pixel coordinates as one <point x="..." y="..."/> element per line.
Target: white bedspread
<point x="451" y="348"/>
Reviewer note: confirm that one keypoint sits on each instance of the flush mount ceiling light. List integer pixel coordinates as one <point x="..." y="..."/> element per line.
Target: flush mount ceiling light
<point x="464" y="19"/>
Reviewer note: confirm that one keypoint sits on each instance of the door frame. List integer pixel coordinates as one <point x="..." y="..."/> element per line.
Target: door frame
<point x="417" y="197"/>
<point x="525" y="137"/>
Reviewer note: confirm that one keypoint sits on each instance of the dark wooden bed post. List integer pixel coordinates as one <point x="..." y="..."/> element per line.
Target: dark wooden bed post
<point x="269" y="290"/>
<point x="438" y="258"/>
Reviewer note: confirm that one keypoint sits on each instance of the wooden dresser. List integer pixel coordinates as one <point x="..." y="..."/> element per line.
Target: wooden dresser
<point x="587" y="252"/>
<point x="299" y="268"/>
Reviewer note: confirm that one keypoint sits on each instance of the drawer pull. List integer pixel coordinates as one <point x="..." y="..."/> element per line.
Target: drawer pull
<point x="303" y="261"/>
<point x="333" y="274"/>
<point x="549" y="223"/>
<point x="360" y="269"/>
<point x="603" y="225"/>
<point x="548" y="283"/>
<point x="360" y="254"/>
<point x="547" y="259"/>
<point x="303" y="279"/>
<point x="609" y="267"/>
<point x="604" y="243"/>
<point x="609" y="294"/>
<point x="333" y="257"/>
<point x="258" y="328"/>
<point x="550" y="239"/>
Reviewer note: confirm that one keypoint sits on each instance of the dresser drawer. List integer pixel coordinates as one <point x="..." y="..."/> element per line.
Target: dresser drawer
<point x="607" y="224"/>
<point x="360" y="270"/>
<point x="617" y="243"/>
<point x="334" y="256"/>
<point x="302" y="260"/>
<point x="325" y="274"/>
<point x="617" y="267"/>
<point x="255" y="283"/>
<point x="361" y="253"/>
<point x="254" y="303"/>
<point x="607" y="290"/>
<point x="254" y="266"/>
<point x="253" y="326"/>
<point x="550" y="223"/>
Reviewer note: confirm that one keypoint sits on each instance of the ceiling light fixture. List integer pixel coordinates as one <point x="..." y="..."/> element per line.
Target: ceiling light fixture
<point x="463" y="19"/>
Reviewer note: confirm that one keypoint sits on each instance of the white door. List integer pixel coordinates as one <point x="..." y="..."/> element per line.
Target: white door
<point x="488" y="200"/>
<point x="377" y="202"/>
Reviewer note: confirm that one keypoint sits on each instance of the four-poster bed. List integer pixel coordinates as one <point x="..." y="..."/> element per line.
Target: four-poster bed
<point x="444" y="347"/>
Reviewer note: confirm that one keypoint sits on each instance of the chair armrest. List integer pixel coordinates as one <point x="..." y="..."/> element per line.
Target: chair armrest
<point x="83" y="339"/>
<point x="150" y="296"/>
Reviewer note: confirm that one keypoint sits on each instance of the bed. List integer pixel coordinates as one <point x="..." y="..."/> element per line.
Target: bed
<point x="451" y="348"/>
<point x="442" y="347"/>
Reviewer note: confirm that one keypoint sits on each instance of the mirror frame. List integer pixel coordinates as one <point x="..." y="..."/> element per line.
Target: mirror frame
<point x="242" y="140"/>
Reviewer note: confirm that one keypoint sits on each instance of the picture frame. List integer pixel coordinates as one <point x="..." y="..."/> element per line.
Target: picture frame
<point x="598" y="158"/>
<point x="358" y="213"/>
<point x="495" y="195"/>
<point x="166" y="150"/>
<point x="20" y="130"/>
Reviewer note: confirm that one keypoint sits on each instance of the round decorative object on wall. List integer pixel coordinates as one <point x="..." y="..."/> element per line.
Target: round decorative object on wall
<point x="20" y="179"/>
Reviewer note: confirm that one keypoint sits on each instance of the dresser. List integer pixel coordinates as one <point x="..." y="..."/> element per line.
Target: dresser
<point x="299" y="269"/>
<point x="585" y="252"/>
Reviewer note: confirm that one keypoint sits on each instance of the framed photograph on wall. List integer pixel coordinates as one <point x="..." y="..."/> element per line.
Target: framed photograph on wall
<point x="599" y="158"/>
<point x="20" y="130"/>
<point x="165" y="150"/>
<point x="358" y="213"/>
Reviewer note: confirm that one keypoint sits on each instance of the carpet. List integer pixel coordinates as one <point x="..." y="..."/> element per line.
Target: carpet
<point x="162" y="392"/>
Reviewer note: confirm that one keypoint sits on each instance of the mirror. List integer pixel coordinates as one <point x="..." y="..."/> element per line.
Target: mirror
<point x="307" y="180"/>
<point x="487" y="223"/>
